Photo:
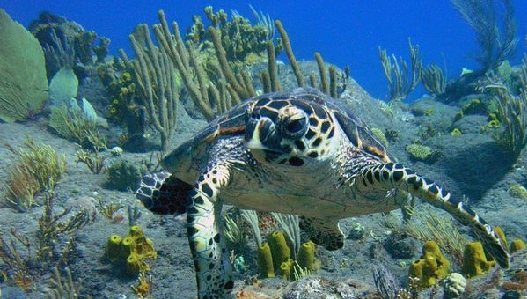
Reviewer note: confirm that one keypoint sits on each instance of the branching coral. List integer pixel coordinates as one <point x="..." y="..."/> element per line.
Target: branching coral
<point x="214" y="73"/>
<point x="93" y="159"/>
<point x="433" y="79"/>
<point x="63" y="287"/>
<point x="23" y="260"/>
<point x="16" y="260"/>
<point x="512" y="112"/>
<point x="51" y="226"/>
<point x="401" y="79"/>
<point x="157" y="83"/>
<point x="72" y="124"/>
<point x="37" y="169"/>
<point x="495" y="30"/>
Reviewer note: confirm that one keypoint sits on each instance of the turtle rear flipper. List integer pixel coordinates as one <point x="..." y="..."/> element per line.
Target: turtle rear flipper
<point x="396" y="175"/>
<point x="164" y="194"/>
<point x="324" y="232"/>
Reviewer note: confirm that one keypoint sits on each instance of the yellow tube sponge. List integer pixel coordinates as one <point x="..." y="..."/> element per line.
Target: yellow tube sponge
<point x="131" y="250"/>
<point x="285" y="269"/>
<point x="265" y="261"/>
<point x="306" y="256"/>
<point x="517" y="245"/>
<point x="127" y="247"/>
<point x="279" y="248"/>
<point x="474" y="260"/>
<point x="135" y="264"/>
<point x="431" y="267"/>
<point x="136" y="232"/>
<point x="142" y="246"/>
<point x="145" y="248"/>
<point x="113" y="247"/>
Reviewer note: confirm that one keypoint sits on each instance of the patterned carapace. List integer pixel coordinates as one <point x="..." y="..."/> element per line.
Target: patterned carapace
<point x="294" y="152"/>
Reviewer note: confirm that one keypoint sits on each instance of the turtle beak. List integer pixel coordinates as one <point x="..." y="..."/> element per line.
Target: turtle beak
<point x="261" y="134"/>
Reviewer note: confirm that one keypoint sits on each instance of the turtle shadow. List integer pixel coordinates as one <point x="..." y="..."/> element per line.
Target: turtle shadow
<point x="477" y="168"/>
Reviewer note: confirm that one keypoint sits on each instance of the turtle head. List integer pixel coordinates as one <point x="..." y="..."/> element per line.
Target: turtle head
<point x="289" y="131"/>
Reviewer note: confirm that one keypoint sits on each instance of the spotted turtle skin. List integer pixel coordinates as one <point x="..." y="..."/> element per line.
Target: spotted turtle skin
<point x="296" y="152"/>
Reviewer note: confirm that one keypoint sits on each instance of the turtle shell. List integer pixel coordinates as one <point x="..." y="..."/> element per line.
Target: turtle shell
<point x="234" y="122"/>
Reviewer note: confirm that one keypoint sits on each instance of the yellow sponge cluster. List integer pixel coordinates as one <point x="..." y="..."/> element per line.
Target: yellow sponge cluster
<point x="475" y="261"/>
<point x="132" y="249"/>
<point x="274" y="258"/>
<point x="431" y="267"/>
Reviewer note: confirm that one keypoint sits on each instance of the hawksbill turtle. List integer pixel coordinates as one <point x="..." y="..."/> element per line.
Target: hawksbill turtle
<point x="295" y="152"/>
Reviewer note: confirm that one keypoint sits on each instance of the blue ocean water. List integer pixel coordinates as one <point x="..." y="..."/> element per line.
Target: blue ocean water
<point x="347" y="33"/>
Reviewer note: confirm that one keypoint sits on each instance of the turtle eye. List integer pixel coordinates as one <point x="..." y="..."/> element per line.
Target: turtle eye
<point x="295" y="126"/>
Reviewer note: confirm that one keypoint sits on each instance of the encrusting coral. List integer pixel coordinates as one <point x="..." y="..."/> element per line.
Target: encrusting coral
<point x="419" y="152"/>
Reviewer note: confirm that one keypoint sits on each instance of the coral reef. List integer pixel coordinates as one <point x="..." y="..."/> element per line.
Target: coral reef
<point x="127" y="109"/>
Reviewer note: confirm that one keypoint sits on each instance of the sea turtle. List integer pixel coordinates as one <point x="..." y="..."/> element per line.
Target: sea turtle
<point x="295" y="152"/>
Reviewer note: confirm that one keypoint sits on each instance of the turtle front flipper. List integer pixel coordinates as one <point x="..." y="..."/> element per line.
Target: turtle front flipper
<point x="207" y="243"/>
<point x="163" y="193"/>
<point x="396" y="175"/>
<point x="325" y="232"/>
